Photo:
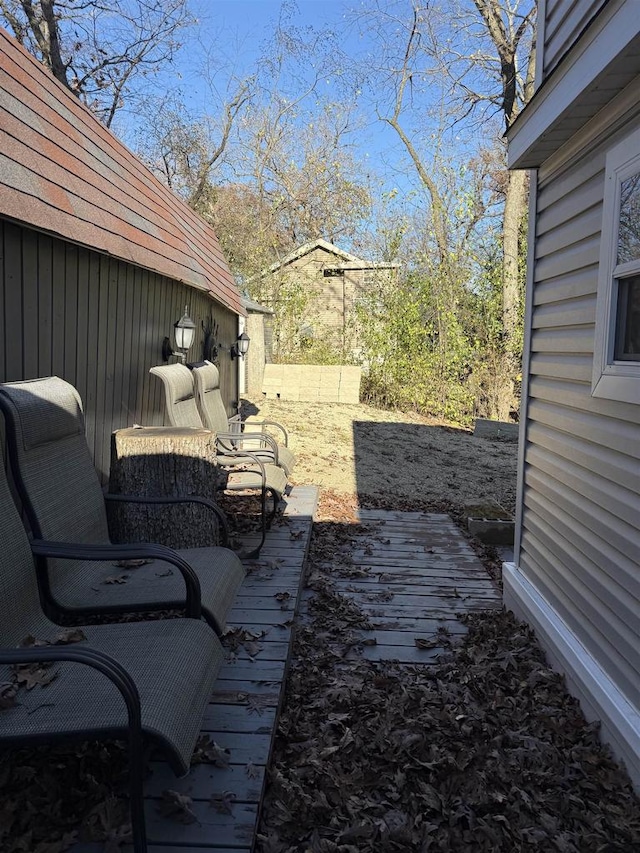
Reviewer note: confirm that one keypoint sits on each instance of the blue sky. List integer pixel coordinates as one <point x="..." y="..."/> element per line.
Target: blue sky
<point x="236" y="33"/>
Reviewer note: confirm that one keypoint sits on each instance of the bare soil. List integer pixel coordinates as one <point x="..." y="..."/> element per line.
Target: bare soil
<point x="397" y="457"/>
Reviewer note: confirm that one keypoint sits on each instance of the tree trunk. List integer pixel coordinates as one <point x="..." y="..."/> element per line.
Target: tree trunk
<point x="514" y="210"/>
<point x="164" y="462"/>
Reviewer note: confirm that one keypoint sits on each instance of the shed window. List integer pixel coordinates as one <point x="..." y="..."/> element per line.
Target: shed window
<point x="331" y="272"/>
<point x="616" y="366"/>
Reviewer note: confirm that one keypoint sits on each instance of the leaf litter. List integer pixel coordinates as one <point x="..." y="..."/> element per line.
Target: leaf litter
<point x="482" y="750"/>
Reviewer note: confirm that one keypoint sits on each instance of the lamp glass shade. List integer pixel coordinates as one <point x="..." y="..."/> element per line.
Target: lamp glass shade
<point x="243" y="343"/>
<point x="184" y="331"/>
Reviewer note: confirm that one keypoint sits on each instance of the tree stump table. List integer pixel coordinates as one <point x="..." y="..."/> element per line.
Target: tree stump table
<point x="164" y="462"/>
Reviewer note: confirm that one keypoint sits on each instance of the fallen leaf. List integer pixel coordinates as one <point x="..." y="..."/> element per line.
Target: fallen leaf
<point x="177" y="807"/>
<point x="223" y="803"/>
<point x="71" y="635"/>
<point x="116" y="579"/>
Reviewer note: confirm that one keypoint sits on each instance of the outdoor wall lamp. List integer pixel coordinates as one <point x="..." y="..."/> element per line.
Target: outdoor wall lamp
<point x="241" y="346"/>
<point x="183" y="331"/>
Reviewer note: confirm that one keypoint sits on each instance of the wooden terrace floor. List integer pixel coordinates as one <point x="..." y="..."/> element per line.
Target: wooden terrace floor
<point x="415" y="573"/>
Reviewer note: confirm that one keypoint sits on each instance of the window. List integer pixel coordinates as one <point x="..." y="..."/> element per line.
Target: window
<point x="332" y="272"/>
<point x="616" y="365"/>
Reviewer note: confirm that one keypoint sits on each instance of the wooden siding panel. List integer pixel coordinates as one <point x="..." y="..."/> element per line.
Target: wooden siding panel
<point x="82" y="328"/>
<point x="12" y="331"/>
<point x="45" y="302"/>
<point x="58" y="273"/>
<point x="4" y="271"/>
<point x="71" y="310"/>
<point x="94" y="353"/>
<point x="98" y="323"/>
<point x="29" y="308"/>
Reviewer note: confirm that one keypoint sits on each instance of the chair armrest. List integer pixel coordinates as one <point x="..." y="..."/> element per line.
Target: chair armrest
<point x="212" y="505"/>
<point x="88" y="656"/>
<point x="269" y="423"/>
<point x="243" y="459"/>
<point x="126" y="686"/>
<point x="137" y="551"/>
<point x="268" y="441"/>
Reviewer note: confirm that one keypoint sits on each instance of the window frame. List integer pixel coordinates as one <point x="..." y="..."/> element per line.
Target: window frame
<point x="614" y="379"/>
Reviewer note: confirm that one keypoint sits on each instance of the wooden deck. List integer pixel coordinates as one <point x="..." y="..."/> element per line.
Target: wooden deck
<point x="414" y="573"/>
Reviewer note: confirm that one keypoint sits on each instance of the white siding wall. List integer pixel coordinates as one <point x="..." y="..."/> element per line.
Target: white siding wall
<point x="565" y="20"/>
<point x="581" y="513"/>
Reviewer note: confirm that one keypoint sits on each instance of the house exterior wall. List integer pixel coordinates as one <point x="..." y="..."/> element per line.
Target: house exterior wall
<point x="564" y="22"/>
<point x="97" y="322"/>
<point x="576" y="574"/>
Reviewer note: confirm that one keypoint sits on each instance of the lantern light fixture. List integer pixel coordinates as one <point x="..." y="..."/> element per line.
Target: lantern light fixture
<point x="184" y="330"/>
<point x="241" y="346"/>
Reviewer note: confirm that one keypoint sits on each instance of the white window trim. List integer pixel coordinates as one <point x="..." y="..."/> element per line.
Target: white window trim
<point x="614" y="380"/>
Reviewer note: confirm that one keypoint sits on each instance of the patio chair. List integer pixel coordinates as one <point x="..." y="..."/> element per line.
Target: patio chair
<point x="147" y="683"/>
<point x="64" y="502"/>
<point x="244" y="470"/>
<point x="214" y="416"/>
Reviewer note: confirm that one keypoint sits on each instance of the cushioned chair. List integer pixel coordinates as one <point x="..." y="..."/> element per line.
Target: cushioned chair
<point x="243" y="469"/>
<point x="214" y="417"/>
<point x="64" y="502"/>
<point x="142" y="682"/>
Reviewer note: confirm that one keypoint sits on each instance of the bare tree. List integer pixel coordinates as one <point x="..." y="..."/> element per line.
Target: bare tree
<point x="462" y="66"/>
<point x="99" y="49"/>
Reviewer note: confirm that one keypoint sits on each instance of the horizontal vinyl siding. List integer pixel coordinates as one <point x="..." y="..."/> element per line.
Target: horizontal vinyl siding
<point x="580" y="541"/>
<point x="606" y="630"/>
<point x="99" y="323"/>
<point x="565" y="20"/>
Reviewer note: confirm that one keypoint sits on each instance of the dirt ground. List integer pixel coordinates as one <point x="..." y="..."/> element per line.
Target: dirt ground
<point x="394" y="456"/>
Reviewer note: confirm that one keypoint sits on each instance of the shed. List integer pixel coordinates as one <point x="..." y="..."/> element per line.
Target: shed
<point x="331" y="281"/>
<point x="99" y="258"/>
<point x="576" y="570"/>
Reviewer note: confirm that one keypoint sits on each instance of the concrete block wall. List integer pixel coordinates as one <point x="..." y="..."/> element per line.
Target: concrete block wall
<point x="312" y="383"/>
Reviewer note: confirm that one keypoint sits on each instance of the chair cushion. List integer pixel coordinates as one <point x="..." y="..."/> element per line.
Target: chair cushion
<point x="174" y="664"/>
<point x="45" y="410"/>
<point x="88" y="584"/>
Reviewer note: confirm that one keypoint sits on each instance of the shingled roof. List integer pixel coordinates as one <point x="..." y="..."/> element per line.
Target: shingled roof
<point x="63" y="172"/>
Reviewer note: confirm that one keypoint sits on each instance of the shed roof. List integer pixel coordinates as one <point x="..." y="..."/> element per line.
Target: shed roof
<point x="349" y="260"/>
<point x="62" y="171"/>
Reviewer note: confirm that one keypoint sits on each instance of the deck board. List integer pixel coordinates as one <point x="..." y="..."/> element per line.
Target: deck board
<point x="411" y="573"/>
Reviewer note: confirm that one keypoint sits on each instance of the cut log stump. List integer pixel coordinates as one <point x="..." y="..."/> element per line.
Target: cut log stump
<point x="164" y="462"/>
